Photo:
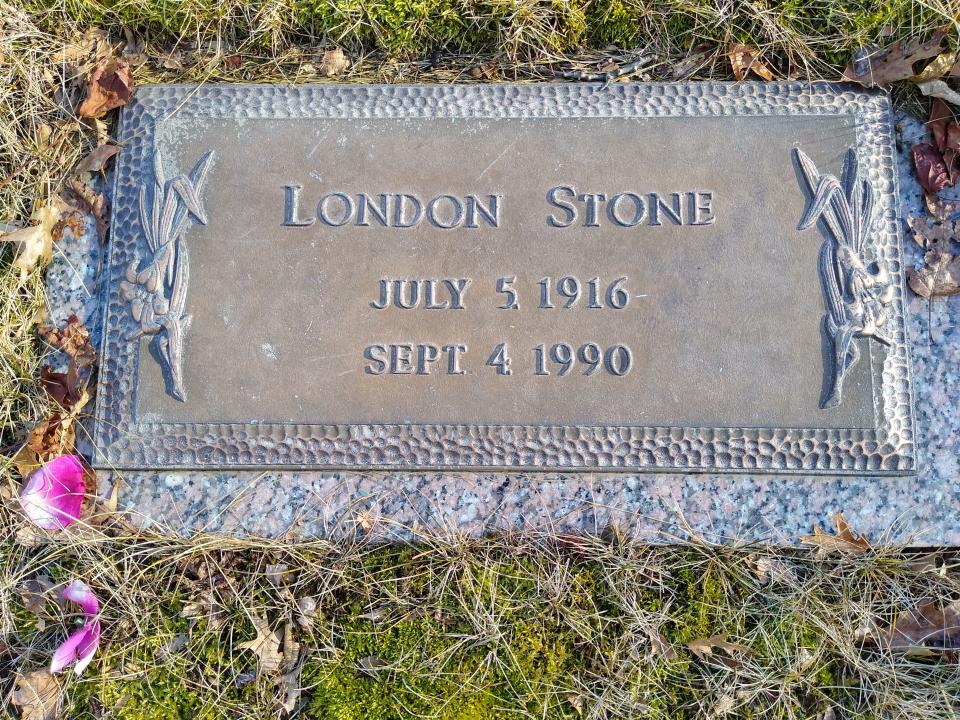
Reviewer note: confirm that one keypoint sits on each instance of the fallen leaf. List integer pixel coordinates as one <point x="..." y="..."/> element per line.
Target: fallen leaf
<point x="64" y="388"/>
<point x="290" y="688"/>
<point x="35" y="242"/>
<point x="368" y="518"/>
<point x="33" y="595"/>
<point x="232" y="62"/>
<point x="266" y="647"/>
<point x="936" y="68"/>
<point x="932" y="172"/>
<point x="172" y="647"/>
<point x="940" y="119"/>
<point x="661" y="647"/>
<point x="73" y="339"/>
<point x="844" y="541"/>
<point x="110" y="87"/>
<point x="486" y="70"/>
<point x="939" y="89"/>
<point x="74" y="221"/>
<point x="704" y="647"/>
<point x="306" y="610"/>
<point x="207" y="608"/>
<point x="925" y="628"/>
<point x="275" y="574"/>
<point x="371" y="665"/>
<point x="745" y="59"/>
<point x="895" y="62"/>
<point x="333" y="63"/>
<point x="96" y="160"/>
<point x="38" y="695"/>
<point x="55" y="435"/>
<point x="84" y="198"/>
<point x="940" y="276"/>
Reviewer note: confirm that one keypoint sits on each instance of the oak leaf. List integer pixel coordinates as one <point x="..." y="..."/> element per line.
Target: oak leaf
<point x="266" y="647"/>
<point x="926" y="629"/>
<point x="895" y="62"/>
<point x="845" y="540"/>
<point x="745" y="59"/>
<point x="110" y="87"/>
<point x="35" y="242"/>
<point x="38" y="695"/>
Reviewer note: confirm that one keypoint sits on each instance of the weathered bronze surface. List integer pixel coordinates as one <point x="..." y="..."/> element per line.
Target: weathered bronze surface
<point x="629" y="276"/>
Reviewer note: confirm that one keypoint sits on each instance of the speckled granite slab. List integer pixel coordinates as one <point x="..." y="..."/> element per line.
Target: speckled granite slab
<point x="919" y="509"/>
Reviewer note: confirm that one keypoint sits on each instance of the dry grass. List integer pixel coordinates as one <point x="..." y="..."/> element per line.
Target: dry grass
<point x="512" y="626"/>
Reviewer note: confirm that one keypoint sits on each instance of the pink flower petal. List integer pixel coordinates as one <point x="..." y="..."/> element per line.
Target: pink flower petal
<point x="81" y="594"/>
<point x="88" y="646"/>
<point x="54" y="493"/>
<point x="67" y="652"/>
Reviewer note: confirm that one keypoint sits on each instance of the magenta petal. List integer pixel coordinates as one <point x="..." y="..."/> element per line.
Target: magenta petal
<point x="67" y="652"/>
<point x="54" y="493"/>
<point x="79" y="647"/>
<point x="81" y="594"/>
<point x="87" y="646"/>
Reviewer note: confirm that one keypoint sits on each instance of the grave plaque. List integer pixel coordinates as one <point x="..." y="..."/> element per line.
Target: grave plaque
<point x="698" y="277"/>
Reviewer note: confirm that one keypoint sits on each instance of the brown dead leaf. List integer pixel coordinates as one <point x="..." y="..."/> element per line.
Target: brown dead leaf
<point x="38" y="695"/>
<point x="895" y="62"/>
<point x="936" y="68"/>
<point x="74" y="221"/>
<point x="34" y="594"/>
<point x="929" y="627"/>
<point x="35" y="242"/>
<point x="110" y="87"/>
<point x="487" y="70"/>
<point x="845" y="541"/>
<point x="52" y="436"/>
<point x="73" y="339"/>
<point x="84" y="198"/>
<point x="705" y="647"/>
<point x="266" y="647"/>
<point x="940" y="276"/>
<point x="745" y="59"/>
<point x="97" y="159"/>
<point x="661" y="646"/>
<point x="64" y="388"/>
<point x="232" y="62"/>
<point x="932" y="172"/>
<point x="333" y="63"/>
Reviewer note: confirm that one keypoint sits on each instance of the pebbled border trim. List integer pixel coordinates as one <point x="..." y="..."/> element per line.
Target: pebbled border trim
<point x="122" y="443"/>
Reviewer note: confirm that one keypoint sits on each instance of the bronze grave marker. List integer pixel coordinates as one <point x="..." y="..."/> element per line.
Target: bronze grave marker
<point x="692" y="277"/>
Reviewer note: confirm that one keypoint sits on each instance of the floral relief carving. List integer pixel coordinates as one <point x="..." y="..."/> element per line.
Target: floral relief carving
<point x="856" y="291"/>
<point x="156" y="287"/>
